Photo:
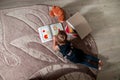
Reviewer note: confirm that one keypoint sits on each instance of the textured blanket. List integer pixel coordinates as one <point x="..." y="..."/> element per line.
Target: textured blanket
<point x="24" y="57"/>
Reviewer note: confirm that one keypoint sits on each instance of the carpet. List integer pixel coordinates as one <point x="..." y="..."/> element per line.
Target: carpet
<point x="24" y="57"/>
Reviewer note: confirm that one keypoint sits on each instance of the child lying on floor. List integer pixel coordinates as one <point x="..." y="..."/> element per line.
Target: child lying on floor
<point x="73" y="54"/>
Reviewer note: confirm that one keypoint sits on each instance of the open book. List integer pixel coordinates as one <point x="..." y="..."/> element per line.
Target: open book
<point x="79" y="23"/>
<point x="47" y="32"/>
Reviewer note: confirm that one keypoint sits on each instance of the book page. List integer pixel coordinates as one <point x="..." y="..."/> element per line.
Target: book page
<point x="80" y="24"/>
<point x="44" y="33"/>
<point x="55" y="28"/>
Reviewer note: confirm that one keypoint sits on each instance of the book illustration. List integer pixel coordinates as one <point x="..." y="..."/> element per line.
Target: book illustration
<point x="68" y="29"/>
<point x="47" y="32"/>
<point x="56" y="28"/>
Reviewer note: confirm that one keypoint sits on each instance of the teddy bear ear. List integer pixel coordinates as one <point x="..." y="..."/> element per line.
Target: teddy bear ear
<point x="53" y="6"/>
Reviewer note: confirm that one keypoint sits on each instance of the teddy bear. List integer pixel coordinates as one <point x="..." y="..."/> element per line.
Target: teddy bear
<point x="58" y="12"/>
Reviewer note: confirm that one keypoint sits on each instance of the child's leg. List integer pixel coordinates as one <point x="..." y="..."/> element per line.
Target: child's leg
<point x="90" y="57"/>
<point x="89" y="64"/>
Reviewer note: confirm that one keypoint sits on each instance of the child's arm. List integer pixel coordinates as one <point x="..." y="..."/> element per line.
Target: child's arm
<point x="55" y="46"/>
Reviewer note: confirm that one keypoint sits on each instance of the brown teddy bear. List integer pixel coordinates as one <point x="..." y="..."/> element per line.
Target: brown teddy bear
<point x="58" y="12"/>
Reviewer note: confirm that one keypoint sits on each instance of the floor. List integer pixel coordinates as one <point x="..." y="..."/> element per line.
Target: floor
<point x="103" y="16"/>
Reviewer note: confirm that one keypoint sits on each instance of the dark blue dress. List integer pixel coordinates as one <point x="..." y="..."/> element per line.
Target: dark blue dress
<point x="77" y="55"/>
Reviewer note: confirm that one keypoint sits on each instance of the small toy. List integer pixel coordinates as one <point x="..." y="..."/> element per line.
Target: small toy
<point x="57" y="12"/>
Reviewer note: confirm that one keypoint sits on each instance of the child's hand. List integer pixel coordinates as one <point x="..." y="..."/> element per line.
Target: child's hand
<point x="55" y="46"/>
<point x="54" y="38"/>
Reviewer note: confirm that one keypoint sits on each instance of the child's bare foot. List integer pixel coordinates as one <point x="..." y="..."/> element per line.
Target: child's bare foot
<point x="99" y="68"/>
<point x="100" y="64"/>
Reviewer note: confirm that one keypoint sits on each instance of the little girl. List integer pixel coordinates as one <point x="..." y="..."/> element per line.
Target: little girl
<point x="73" y="54"/>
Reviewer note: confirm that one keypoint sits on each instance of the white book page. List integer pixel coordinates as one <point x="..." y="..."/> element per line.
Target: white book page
<point x="80" y="24"/>
<point x="70" y="25"/>
<point x="55" y="28"/>
<point x="44" y="33"/>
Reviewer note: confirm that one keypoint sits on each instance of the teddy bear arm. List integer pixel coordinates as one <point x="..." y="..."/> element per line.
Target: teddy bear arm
<point x="61" y="18"/>
<point x="51" y="14"/>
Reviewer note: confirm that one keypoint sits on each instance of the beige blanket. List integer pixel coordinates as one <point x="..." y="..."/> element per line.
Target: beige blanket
<point x="23" y="56"/>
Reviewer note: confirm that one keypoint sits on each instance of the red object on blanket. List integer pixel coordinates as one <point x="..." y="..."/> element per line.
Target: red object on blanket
<point x="70" y="31"/>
